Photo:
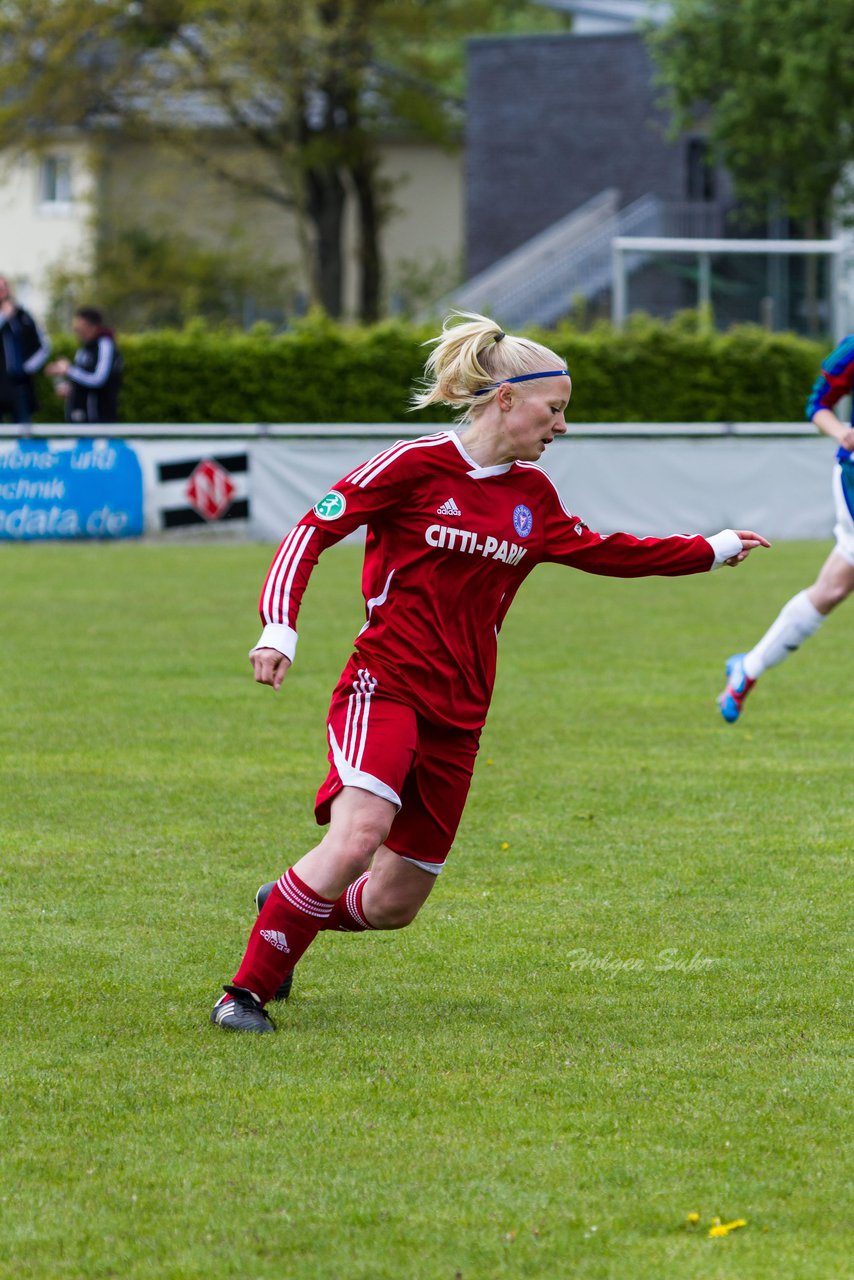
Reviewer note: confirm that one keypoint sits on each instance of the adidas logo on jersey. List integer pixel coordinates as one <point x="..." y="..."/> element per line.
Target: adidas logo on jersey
<point x="448" y="508"/>
<point x="275" y="939"/>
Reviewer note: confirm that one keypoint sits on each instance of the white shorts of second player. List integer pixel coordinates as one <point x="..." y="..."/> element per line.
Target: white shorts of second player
<point x="843" y="530"/>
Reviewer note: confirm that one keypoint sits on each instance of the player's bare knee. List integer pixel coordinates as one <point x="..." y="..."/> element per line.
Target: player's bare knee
<point x="350" y="862"/>
<point x="393" y="915"/>
<point x="365" y="838"/>
<point x="353" y="845"/>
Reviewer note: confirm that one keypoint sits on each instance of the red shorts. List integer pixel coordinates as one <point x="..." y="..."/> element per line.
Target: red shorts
<point x="383" y="746"/>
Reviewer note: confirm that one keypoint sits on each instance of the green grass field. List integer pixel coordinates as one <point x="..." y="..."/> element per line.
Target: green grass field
<point x="624" y="1002"/>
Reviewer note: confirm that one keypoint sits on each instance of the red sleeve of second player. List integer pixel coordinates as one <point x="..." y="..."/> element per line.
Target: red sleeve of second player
<point x="373" y="487"/>
<point x="619" y="555"/>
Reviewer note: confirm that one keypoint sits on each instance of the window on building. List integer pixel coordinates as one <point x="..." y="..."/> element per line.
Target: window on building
<point x="700" y="171"/>
<point x="55" y="180"/>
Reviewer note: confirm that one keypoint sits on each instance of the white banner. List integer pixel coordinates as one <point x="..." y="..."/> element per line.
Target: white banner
<point x="654" y="487"/>
<point x="781" y="487"/>
<point x="289" y="476"/>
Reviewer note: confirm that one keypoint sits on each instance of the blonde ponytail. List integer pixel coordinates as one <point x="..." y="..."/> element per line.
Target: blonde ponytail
<point x="471" y="358"/>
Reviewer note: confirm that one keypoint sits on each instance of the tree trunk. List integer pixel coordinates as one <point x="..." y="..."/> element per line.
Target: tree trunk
<point x="325" y="199"/>
<point x="335" y="148"/>
<point x="363" y="173"/>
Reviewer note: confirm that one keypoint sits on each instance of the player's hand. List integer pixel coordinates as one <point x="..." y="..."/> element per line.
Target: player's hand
<point x="270" y="666"/>
<point x="847" y="439"/>
<point x="749" y="542"/>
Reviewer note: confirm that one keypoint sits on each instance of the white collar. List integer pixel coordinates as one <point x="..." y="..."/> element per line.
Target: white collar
<point x="475" y="471"/>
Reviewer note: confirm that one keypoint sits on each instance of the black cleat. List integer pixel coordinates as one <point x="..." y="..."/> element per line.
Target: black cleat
<point x="243" y="1012"/>
<point x="260" y="898"/>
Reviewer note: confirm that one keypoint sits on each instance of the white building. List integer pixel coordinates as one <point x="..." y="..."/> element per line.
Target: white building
<point x="54" y="204"/>
<point x="47" y="209"/>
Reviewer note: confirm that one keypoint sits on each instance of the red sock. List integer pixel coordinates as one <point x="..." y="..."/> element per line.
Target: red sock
<point x="287" y="924"/>
<point x="347" y="915"/>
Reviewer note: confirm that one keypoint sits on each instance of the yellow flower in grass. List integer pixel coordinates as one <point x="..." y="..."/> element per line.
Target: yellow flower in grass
<point x="724" y="1228"/>
<point x="505" y="844"/>
<point x="692" y="1219"/>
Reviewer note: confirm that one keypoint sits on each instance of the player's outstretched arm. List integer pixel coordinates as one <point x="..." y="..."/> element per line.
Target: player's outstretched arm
<point x="830" y="425"/>
<point x="270" y="666"/>
<point x="749" y="542"/>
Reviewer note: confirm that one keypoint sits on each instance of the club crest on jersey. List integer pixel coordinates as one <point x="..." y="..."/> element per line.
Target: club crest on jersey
<point x="332" y="506"/>
<point x="523" y="520"/>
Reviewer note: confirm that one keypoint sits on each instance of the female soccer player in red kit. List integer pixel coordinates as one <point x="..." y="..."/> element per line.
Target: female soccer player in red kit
<point x="455" y="523"/>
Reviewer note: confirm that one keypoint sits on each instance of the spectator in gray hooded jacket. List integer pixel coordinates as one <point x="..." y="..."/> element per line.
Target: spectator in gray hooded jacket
<point x="91" y="381"/>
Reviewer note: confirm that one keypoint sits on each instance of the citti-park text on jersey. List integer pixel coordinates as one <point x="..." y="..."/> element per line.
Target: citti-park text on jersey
<point x="442" y="535"/>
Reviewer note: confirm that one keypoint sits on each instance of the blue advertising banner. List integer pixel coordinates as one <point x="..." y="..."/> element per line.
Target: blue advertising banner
<point x="69" y="489"/>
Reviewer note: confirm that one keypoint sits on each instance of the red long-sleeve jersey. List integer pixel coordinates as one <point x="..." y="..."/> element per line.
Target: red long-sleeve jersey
<point x="449" y="543"/>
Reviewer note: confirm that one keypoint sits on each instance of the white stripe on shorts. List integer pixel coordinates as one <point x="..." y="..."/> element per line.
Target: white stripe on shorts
<point x="432" y="868"/>
<point x="351" y="777"/>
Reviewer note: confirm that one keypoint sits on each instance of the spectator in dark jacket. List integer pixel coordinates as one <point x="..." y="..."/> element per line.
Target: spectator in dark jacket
<point x="90" y="385"/>
<point x="23" y="351"/>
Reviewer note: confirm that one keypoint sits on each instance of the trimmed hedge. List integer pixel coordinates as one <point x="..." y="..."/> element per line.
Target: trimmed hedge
<point x="322" y="372"/>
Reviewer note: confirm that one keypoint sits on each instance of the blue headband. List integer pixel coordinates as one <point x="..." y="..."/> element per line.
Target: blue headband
<point x="524" y="377"/>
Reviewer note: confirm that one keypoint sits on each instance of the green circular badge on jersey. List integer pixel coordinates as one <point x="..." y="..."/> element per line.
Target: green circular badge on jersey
<point x="332" y="506"/>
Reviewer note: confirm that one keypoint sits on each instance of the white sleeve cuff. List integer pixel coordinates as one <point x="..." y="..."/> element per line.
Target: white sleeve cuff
<point x="725" y="545"/>
<point x="277" y="635"/>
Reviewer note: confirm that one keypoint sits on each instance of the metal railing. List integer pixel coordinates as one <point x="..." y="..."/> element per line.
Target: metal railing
<point x="518" y="282"/>
<point x="689" y="218"/>
<point x="541" y="280"/>
<point x="216" y="432"/>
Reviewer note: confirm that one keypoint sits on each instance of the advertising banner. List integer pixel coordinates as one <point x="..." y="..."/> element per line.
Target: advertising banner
<point x="69" y="489"/>
<point x="195" y="488"/>
<point x="224" y="488"/>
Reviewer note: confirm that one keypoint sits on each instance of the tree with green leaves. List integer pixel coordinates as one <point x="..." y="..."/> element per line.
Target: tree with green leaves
<point x="775" y="85"/>
<point x="304" y="87"/>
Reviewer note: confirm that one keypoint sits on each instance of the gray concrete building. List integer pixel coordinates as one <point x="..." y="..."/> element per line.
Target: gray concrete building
<point x="561" y="124"/>
<point x="569" y="148"/>
<point x="554" y="120"/>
